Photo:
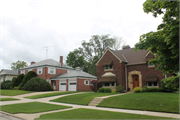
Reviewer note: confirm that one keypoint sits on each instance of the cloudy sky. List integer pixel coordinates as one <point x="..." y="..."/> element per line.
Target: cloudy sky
<point x="30" y="25"/>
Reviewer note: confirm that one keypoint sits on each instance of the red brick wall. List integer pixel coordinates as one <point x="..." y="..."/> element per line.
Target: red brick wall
<point x="81" y="86"/>
<point x="118" y="69"/>
<point x="57" y="85"/>
<point x="145" y="71"/>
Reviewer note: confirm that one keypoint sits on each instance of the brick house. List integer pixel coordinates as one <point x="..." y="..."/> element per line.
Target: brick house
<point x="128" y="68"/>
<point x="53" y="72"/>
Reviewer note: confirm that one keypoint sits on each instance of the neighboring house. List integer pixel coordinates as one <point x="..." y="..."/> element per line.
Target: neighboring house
<point x="52" y="70"/>
<point x="6" y="74"/>
<point x="128" y="68"/>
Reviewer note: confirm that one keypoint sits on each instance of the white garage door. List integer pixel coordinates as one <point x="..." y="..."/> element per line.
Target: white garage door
<point x="72" y="85"/>
<point x="62" y="85"/>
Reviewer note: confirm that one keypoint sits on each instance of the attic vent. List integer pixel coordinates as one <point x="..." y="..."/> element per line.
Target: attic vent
<point x="78" y="68"/>
<point x="126" y="47"/>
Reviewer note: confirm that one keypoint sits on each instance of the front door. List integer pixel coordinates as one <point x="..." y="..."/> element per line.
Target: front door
<point x="135" y="81"/>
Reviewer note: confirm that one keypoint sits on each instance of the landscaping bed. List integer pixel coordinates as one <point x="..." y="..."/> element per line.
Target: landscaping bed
<point x="81" y="99"/>
<point x="49" y="94"/>
<point x="31" y="107"/>
<point x="151" y="101"/>
<point x="13" y="92"/>
<point x="82" y="113"/>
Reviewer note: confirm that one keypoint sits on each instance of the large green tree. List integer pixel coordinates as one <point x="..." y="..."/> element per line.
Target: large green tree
<point x="18" y="65"/>
<point x="164" y="43"/>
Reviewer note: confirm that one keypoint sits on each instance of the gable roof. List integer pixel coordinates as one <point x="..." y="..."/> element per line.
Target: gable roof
<point x="9" y="72"/>
<point x="129" y="56"/>
<point x="75" y="74"/>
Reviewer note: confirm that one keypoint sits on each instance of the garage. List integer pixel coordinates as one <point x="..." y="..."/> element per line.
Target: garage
<point x="72" y="85"/>
<point x="62" y="85"/>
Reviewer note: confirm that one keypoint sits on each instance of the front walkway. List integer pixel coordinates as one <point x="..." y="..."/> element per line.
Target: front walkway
<point x="46" y="100"/>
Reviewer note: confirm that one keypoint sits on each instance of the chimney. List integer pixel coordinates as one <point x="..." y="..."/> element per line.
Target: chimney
<point x="126" y="47"/>
<point x="61" y="61"/>
<point x="33" y="62"/>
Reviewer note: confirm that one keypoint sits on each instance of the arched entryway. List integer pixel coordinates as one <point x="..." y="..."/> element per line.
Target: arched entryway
<point x="134" y="79"/>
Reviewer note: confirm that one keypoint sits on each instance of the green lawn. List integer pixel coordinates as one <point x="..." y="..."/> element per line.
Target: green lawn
<point x="49" y="94"/>
<point x="14" y="92"/>
<point x="31" y="107"/>
<point x="8" y="99"/>
<point x="81" y="99"/>
<point x="82" y="113"/>
<point x="151" y="101"/>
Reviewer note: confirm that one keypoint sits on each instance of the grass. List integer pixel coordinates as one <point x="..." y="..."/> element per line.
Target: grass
<point x="81" y="99"/>
<point x="150" y="101"/>
<point x="31" y="107"/>
<point x="82" y="113"/>
<point x="14" y="92"/>
<point x="49" y="94"/>
<point x="8" y="99"/>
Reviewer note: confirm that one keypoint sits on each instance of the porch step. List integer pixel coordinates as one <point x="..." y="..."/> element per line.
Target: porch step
<point x="95" y="101"/>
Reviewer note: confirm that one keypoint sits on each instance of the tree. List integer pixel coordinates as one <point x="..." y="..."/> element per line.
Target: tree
<point x="18" y="65"/>
<point x="18" y="80"/>
<point x="27" y="77"/>
<point x="119" y="42"/>
<point x="164" y="43"/>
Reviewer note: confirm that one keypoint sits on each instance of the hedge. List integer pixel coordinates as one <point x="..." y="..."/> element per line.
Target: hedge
<point x="6" y="84"/>
<point x="27" y="77"/>
<point x="18" y="80"/>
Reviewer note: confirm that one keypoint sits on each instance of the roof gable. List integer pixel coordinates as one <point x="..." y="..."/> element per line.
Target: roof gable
<point x="8" y="72"/>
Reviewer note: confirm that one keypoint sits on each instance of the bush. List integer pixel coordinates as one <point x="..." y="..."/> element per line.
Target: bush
<point x="101" y="90"/>
<point x="107" y="90"/>
<point x="93" y="87"/>
<point x="113" y="91"/>
<point x="18" y="80"/>
<point x="6" y="84"/>
<point x="144" y="88"/>
<point x="16" y="88"/>
<point x="13" y="79"/>
<point x="37" y="84"/>
<point x="154" y="89"/>
<point x="119" y="88"/>
<point x="28" y="76"/>
<point x="137" y="90"/>
<point x="170" y="84"/>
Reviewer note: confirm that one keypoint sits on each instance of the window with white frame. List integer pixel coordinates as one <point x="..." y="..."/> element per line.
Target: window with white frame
<point x="109" y="84"/>
<point x="152" y="84"/>
<point x="51" y="70"/>
<point x="107" y="67"/>
<point x="39" y="71"/>
<point x="29" y="70"/>
<point x="22" y="71"/>
<point x="86" y="82"/>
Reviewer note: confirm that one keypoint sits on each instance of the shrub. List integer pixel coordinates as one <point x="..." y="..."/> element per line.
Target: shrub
<point x="119" y="88"/>
<point x="107" y="90"/>
<point x="137" y="90"/>
<point x="154" y="89"/>
<point x="6" y="84"/>
<point x="16" y="88"/>
<point x="13" y="79"/>
<point x="144" y="88"/>
<point x="93" y="87"/>
<point x="170" y="84"/>
<point x="28" y="76"/>
<point x="18" y="80"/>
<point x="113" y="91"/>
<point x="101" y="90"/>
<point x="37" y="84"/>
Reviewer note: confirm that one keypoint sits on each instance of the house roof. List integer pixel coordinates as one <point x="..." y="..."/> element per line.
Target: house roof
<point x="75" y="74"/>
<point x="49" y="62"/>
<point x="130" y="56"/>
<point x="8" y="72"/>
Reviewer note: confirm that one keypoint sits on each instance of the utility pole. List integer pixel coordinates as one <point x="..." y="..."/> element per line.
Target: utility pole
<point x="46" y="51"/>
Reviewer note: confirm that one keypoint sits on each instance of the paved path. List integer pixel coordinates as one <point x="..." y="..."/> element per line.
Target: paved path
<point x="46" y="100"/>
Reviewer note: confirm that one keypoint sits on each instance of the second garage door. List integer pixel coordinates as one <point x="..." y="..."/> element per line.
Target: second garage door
<point x="72" y="85"/>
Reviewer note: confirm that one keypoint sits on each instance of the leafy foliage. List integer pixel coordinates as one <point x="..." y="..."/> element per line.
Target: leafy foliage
<point x="28" y="76"/>
<point x="6" y="84"/>
<point x="18" y="65"/>
<point x="114" y="91"/>
<point x="107" y="90"/>
<point x="119" y="88"/>
<point x="164" y="43"/>
<point x="101" y="90"/>
<point x="154" y="89"/>
<point x="170" y="84"/>
<point x="137" y="90"/>
<point x="93" y="87"/>
<point x="37" y="84"/>
<point x="18" y="80"/>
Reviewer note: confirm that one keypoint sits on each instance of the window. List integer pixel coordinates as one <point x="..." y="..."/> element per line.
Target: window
<point x="86" y="82"/>
<point x="152" y="84"/>
<point x="109" y="84"/>
<point x="23" y="72"/>
<point x="112" y="84"/>
<point x="30" y="70"/>
<point x="151" y="65"/>
<point x="39" y="71"/>
<point x="63" y="84"/>
<point x="51" y="70"/>
<point x="106" y="84"/>
<point x="107" y="67"/>
<point x="72" y="83"/>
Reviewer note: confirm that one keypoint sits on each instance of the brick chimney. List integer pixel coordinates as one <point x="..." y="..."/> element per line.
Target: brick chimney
<point x="61" y="61"/>
<point x="33" y="62"/>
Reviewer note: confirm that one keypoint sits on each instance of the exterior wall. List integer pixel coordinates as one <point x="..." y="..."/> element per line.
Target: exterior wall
<point x="81" y="86"/>
<point x="118" y="69"/>
<point x="144" y="71"/>
<point x="8" y="77"/>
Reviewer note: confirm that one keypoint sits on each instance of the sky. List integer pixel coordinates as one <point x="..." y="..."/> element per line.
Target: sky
<point x="28" y="26"/>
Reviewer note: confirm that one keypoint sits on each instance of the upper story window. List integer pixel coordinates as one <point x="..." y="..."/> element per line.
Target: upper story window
<point x="39" y="71"/>
<point x="22" y="71"/>
<point x="107" y="67"/>
<point x="51" y="70"/>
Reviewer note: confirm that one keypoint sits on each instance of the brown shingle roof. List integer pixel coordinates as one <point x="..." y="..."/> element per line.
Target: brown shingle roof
<point x="131" y="56"/>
